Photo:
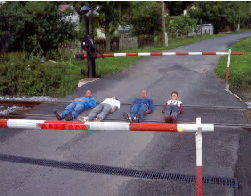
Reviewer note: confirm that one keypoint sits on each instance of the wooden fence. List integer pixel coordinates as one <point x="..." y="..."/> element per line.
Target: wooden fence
<point x="116" y="44"/>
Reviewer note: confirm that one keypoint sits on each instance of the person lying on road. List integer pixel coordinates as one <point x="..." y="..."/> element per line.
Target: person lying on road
<point x="109" y="105"/>
<point x="77" y="106"/>
<point x="139" y="108"/>
<point x="172" y="108"/>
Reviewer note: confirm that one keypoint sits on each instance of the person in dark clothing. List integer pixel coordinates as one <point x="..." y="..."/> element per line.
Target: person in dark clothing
<point x="139" y="108"/>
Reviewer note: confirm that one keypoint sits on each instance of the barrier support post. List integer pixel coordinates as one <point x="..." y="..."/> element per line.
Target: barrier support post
<point x="198" y="139"/>
<point x="228" y="64"/>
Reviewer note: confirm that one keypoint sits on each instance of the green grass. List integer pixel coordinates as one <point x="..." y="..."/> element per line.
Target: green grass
<point x="108" y="66"/>
<point x="240" y="67"/>
<point x="61" y="78"/>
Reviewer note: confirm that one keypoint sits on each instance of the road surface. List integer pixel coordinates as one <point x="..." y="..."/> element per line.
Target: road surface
<point x="225" y="152"/>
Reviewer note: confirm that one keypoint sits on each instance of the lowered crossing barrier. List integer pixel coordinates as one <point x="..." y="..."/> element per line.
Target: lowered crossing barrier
<point x="117" y="126"/>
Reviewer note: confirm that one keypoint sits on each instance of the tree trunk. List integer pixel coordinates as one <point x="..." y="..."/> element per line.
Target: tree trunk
<point x="107" y="38"/>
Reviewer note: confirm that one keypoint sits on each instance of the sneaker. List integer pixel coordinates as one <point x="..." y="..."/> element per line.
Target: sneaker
<point x="127" y="117"/>
<point x="85" y="118"/>
<point x="167" y="119"/>
<point x="59" y="117"/>
<point x="173" y="118"/>
<point x="98" y="119"/>
<point x="69" y="116"/>
<point x="136" y="118"/>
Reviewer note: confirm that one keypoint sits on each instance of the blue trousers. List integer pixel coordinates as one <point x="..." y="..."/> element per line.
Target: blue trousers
<point x="76" y="107"/>
<point x="138" y="108"/>
<point x="172" y="109"/>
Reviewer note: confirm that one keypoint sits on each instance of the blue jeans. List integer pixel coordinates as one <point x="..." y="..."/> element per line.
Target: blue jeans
<point x="138" y="108"/>
<point x="76" y="107"/>
<point x="172" y="109"/>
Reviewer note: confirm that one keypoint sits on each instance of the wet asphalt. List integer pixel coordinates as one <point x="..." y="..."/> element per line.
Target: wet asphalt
<point x="225" y="152"/>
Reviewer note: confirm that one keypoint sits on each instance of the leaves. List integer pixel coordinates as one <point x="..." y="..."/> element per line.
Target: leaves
<point x="35" y="26"/>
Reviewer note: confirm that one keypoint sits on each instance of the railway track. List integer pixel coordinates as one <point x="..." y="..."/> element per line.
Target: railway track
<point x="24" y="109"/>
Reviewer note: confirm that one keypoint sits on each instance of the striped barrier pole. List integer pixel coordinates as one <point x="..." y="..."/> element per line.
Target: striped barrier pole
<point x="121" y="126"/>
<point x="228" y="64"/>
<point x="163" y="54"/>
<point x="198" y="140"/>
<point x="117" y="126"/>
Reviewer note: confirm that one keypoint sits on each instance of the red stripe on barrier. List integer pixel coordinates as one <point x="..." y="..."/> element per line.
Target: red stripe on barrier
<point x="227" y="74"/>
<point x="199" y="180"/>
<point x="182" y="53"/>
<point x="108" y="55"/>
<point x="3" y="123"/>
<point x="153" y="127"/>
<point x="236" y="53"/>
<point x="63" y="125"/>
<point x="132" y="54"/>
<point x="63" y="122"/>
<point x="208" y="53"/>
<point x="156" y="53"/>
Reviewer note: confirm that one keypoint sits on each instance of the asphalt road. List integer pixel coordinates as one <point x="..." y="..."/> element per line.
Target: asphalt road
<point x="225" y="152"/>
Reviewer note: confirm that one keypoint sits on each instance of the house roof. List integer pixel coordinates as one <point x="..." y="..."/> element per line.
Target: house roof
<point x="63" y="7"/>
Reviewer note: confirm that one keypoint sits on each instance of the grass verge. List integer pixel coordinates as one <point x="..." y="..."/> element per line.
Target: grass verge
<point x="239" y="70"/>
<point x="28" y="76"/>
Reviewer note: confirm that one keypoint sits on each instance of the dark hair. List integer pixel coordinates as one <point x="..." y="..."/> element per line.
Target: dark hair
<point x="175" y="92"/>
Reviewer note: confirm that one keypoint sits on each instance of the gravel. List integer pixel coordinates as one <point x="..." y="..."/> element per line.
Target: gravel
<point x="4" y="111"/>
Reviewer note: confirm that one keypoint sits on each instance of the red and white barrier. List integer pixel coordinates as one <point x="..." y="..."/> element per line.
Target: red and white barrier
<point x="228" y="64"/>
<point x="121" y="126"/>
<point x="198" y="141"/>
<point x="117" y="126"/>
<point x="164" y="54"/>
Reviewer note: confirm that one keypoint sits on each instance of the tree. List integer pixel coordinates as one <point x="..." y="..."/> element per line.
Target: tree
<point x="111" y="13"/>
<point x="177" y="8"/>
<point x="182" y="24"/>
<point x="35" y="26"/>
<point x="145" y="17"/>
<point x="219" y="13"/>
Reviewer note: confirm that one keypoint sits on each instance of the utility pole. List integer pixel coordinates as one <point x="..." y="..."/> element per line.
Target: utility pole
<point x="163" y="24"/>
<point x="164" y="37"/>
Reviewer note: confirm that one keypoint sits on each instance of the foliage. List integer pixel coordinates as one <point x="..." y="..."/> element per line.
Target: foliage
<point x="22" y="76"/>
<point x="182" y="24"/>
<point x="220" y="13"/>
<point x="145" y="17"/>
<point x="176" y="8"/>
<point x="240" y="68"/>
<point x="35" y="26"/>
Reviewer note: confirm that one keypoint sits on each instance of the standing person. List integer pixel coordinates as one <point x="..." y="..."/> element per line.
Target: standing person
<point x="139" y="108"/>
<point x="77" y="106"/>
<point x="109" y="105"/>
<point x="172" y="108"/>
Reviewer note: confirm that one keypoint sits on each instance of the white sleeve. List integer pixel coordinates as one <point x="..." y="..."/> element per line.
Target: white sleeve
<point x="117" y="104"/>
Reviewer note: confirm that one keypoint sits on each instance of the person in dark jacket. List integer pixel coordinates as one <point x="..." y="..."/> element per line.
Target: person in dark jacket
<point x="77" y="106"/>
<point x="139" y="108"/>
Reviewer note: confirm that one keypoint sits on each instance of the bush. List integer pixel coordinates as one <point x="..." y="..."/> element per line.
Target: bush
<point x="30" y="77"/>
